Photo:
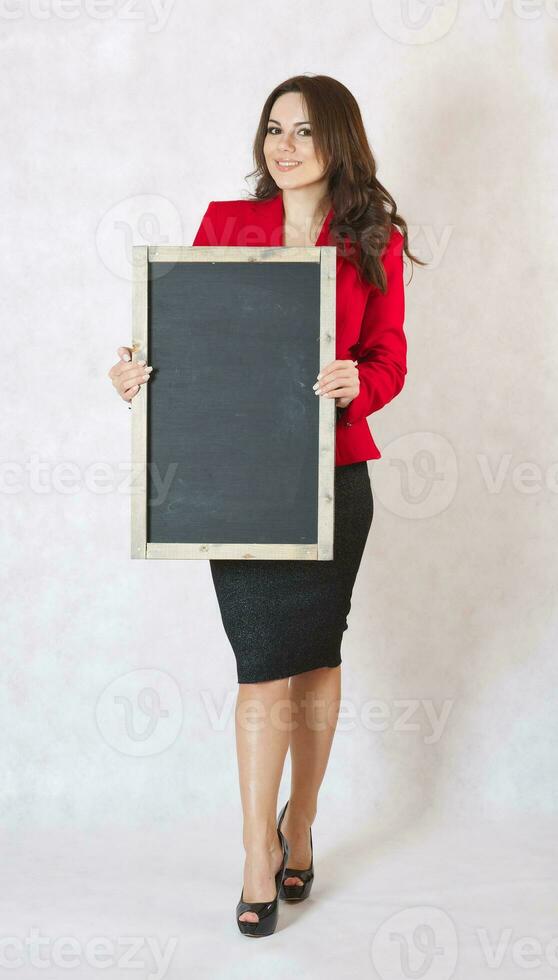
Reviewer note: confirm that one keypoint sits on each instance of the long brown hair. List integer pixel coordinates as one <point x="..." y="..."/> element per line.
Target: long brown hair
<point x="364" y="211"/>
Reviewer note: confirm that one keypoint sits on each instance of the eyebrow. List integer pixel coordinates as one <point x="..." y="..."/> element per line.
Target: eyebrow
<point x="296" y="124"/>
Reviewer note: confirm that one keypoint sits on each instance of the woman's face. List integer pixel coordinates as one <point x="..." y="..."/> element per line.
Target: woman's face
<point x="289" y="141"/>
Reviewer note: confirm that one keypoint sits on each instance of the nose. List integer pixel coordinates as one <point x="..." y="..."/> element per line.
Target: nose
<point x="286" y="144"/>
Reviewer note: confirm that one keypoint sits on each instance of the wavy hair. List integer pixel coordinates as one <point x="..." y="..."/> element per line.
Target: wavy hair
<point x="364" y="211"/>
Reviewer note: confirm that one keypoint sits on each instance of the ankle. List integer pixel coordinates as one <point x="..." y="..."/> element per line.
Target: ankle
<point x="299" y="815"/>
<point x="260" y="841"/>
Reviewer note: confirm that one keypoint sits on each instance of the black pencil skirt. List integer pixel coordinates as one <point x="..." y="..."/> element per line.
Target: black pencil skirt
<point x="283" y="617"/>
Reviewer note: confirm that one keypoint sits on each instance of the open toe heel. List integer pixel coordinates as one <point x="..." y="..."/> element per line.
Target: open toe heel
<point x="296" y="893"/>
<point x="267" y="912"/>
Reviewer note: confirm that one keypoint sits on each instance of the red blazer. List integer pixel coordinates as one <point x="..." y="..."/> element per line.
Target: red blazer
<point x="369" y="324"/>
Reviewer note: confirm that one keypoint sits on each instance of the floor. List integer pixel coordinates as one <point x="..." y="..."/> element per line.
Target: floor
<point x="472" y="900"/>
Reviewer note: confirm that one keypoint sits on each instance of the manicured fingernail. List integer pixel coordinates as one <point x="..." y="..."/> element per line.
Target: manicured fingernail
<point x="317" y="385"/>
<point x="318" y="376"/>
<point x="126" y="357"/>
<point x="142" y="362"/>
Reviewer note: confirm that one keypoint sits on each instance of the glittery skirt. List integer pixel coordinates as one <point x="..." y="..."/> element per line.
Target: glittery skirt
<point x="283" y="617"/>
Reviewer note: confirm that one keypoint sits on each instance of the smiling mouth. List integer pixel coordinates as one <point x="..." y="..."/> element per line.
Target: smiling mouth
<point x="290" y="164"/>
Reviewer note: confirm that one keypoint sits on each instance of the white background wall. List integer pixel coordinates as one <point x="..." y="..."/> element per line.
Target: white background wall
<point x="121" y="130"/>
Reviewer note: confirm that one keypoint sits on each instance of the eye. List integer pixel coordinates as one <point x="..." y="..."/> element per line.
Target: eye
<point x="304" y="129"/>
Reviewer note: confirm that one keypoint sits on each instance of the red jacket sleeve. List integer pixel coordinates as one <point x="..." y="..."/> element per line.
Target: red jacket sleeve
<point x="207" y="231"/>
<point x="381" y="350"/>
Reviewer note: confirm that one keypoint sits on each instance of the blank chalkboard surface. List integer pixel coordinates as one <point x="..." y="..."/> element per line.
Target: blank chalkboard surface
<point x="232" y="451"/>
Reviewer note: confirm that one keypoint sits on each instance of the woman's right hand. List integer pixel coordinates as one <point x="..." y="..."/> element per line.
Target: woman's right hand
<point x="127" y="376"/>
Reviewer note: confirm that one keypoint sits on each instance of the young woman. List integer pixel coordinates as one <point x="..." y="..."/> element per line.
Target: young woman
<point x="285" y="619"/>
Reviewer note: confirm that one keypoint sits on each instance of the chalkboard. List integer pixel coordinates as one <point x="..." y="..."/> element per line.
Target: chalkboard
<point x="233" y="454"/>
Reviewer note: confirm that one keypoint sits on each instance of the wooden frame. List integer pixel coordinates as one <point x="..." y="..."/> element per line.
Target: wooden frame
<point x="145" y="255"/>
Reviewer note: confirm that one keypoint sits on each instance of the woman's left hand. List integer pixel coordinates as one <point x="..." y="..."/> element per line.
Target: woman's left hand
<point x="339" y="380"/>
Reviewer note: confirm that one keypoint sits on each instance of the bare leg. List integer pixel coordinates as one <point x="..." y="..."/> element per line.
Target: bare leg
<point x="315" y="697"/>
<point x="263" y="721"/>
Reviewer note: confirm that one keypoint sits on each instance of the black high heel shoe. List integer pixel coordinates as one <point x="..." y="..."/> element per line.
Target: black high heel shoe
<point x="296" y="893"/>
<point x="267" y="912"/>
